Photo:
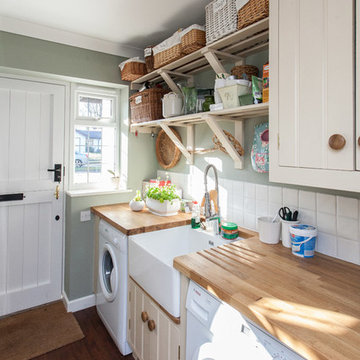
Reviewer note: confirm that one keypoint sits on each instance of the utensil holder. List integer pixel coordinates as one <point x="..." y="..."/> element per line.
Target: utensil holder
<point x="285" y="232"/>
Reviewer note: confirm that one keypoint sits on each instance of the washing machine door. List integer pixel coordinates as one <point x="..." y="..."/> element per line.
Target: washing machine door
<point x="108" y="273"/>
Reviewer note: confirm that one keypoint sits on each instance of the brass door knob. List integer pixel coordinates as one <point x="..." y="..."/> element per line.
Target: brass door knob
<point x="337" y="142"/>
<point x="144" y="316"/>
<point x="151" y="325"/>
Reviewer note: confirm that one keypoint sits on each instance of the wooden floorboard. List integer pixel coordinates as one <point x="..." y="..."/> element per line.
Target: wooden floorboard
<point x="96" y="345"/>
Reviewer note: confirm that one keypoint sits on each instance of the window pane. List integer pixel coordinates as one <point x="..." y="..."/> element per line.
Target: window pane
<point x="94" y="154"/>
<point x="93" y="107"/>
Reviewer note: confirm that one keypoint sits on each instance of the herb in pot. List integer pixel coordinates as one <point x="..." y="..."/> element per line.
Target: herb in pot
<point x="162" y="193"/>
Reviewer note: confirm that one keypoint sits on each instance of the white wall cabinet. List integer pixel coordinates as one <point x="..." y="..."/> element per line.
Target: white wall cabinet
<point x="151" y="334"/>
<point x="312" y="94"/>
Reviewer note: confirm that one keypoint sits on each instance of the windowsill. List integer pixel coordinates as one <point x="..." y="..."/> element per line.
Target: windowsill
<point x="93" y="192"/>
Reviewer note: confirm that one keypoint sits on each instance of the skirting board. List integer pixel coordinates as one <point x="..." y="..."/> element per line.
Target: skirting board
<point x="78" y="304"/>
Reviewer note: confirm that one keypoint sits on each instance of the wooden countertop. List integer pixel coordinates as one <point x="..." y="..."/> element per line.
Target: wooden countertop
<point x="312" y="305"/>
<point x="131" y="223"/>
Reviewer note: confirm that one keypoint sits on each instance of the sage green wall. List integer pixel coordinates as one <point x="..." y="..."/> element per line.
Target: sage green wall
<point x="44" y="57"/>
<point x="203" y="139"/>
<point x="22" y="52"/>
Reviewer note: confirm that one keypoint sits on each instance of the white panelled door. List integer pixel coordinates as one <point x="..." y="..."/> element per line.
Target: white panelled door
<point x="32" y="117"/>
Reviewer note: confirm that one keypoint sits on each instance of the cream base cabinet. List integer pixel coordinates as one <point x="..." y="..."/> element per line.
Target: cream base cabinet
<point x="151" y="334"/>
<point x="312" y="93"/>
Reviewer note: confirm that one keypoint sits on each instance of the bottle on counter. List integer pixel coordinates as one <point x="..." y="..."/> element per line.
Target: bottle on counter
<point x="195" y="215"/>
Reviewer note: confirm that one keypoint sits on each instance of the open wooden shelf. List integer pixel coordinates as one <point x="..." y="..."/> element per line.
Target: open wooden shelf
<point x="236" y="46"/>
<point x="238" y="113"/>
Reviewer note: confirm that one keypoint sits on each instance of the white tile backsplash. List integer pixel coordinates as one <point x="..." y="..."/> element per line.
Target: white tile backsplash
<point x="336" y="217"/>
<point x="348" y="250"/>
<point x="347" y="227"/>
<point x="326" y="223"/>
<point x="325" y="203"/>
<point x="290" y="198"/>
<point x="307" y="200"/>
<point x="347" y="207"/>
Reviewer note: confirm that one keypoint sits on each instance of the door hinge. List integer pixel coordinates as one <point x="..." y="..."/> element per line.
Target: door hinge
<point x="129" y="324"/>
<point x="179" y="352"/>
<point x="278" y="139"/>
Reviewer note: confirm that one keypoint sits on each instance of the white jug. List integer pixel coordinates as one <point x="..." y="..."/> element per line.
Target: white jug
<point x="172" y="105"/>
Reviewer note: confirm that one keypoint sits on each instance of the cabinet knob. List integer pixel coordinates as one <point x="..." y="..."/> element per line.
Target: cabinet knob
<point x="337" y="142"/>
<point x="151" y="325"/>
<point x="144" y="316"/>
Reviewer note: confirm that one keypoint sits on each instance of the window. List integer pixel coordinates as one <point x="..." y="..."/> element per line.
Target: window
<point x="95" y="138"/>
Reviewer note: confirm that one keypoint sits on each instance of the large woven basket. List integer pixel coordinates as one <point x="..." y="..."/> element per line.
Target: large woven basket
<point x="149" y="59"/>
<point x="168" y="51"/>
<point x="146" y="105"/>
<point x="168" y="155"/>
<point x="133" y="70"/>
<point x="251" y="12"/>
<point x="221" y="19"/>
<point x="193" y="38"/>
<point x="248" y="70"/>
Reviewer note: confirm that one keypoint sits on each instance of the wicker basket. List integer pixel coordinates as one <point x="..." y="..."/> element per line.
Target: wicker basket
<point x="221" y="19"/>
<point x="168" y="51"/>
<point x="248" y="70"/>
<point x="251" y="12"/>
<point x="146" y="106"/>
<point x="149" y="59"/>
<point x="193" y="38"/>
<point x="168" y="155"/>
<point x="132" y="69"/>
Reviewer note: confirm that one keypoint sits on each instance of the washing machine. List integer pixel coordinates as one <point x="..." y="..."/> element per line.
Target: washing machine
<point x="111" y="294"/>
<point x="217" y="331"/>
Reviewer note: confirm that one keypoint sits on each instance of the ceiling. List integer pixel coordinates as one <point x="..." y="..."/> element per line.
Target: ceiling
<point x="128" y="23"/>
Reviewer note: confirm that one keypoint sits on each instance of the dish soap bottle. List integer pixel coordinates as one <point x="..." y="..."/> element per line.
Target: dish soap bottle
<point x="195" y="216"/>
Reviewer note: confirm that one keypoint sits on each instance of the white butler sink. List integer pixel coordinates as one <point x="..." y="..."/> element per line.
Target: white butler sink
<point x="151" y="261"/>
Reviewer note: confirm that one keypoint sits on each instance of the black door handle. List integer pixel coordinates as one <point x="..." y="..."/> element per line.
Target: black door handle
<point x="57" y="172"/>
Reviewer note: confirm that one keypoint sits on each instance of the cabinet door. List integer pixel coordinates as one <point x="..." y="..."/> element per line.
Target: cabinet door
<point x="139" y="324"/>
<point x="314" y="60"/>
<point x="131" y="314"/>
<point x="150" y="349"/>
<point x="357" y="139"/>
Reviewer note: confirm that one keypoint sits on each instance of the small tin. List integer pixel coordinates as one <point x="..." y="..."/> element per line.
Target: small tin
<point x="229" y="231"/>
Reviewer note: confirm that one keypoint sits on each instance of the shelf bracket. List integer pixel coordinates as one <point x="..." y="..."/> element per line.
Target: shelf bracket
<point x="170" y="82"/>
<point x="189" y="157"/>
<point x="216" y="129"/>
<point x="214" y="61"/>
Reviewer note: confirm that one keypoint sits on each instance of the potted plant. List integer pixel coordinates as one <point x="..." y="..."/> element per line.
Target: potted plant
<point x="115" y="179"/>
<point x="137" y="204"/>
<point x="163" y="200"/>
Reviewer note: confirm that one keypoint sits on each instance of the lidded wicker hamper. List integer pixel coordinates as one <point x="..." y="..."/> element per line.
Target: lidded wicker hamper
<point x="251" y="12"/>
<point x="193" y="38"/>
<point x="132" y="69"/>
<point x="168" y="51"/>
<point x="221" y="19"/>
<point x="146" y="105"/>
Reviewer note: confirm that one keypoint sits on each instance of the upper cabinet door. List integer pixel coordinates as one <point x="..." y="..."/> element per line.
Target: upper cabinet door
<point x="357" y="139"/>
<point x="313" y="56"/>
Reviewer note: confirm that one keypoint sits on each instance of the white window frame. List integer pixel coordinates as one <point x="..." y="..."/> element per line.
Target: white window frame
<point x="78" y="90"/>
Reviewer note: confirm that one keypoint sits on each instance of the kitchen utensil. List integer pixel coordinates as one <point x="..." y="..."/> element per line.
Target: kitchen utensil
<point x="285" y="213"/>
<point x="295" y="215"/>
<point x="275" y="217"/>
<point x="269" y="232"/>
<point x="172" y="105"/>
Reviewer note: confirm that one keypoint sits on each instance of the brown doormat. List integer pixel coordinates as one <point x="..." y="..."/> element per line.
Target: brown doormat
<point x="38" y="331"/>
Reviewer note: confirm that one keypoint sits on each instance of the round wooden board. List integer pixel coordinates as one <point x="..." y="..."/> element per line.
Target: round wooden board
<point x="168" y="155"/>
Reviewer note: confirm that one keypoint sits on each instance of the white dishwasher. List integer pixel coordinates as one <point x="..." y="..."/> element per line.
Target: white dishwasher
<point x="216" y="331"/>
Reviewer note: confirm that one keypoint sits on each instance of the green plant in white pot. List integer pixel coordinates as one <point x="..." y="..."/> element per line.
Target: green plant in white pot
<point x="137" y="203"/>
<point x="163" y="200"/>
<point x="115" y="179"/>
